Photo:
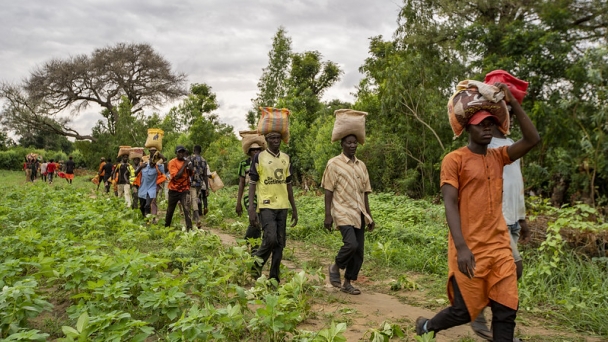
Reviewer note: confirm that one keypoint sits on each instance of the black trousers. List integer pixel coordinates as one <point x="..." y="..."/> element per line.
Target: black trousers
<point x="203" y="201"/>
<point x="253" y="232"/>
<point x="350" y="255"/>
<point x="175" y="197"/>
<point x="145" y="205"/>
<point x="274" y="226"/>
<point x="503" y="318"/>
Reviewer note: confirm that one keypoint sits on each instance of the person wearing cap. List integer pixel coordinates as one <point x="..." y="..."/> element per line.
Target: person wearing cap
<point x="513" y="210"/>
<point x="270" y="180"/>
<point x="481" y="270"/>
<point x="180" y="170"/>
<point x="253" y="232"/>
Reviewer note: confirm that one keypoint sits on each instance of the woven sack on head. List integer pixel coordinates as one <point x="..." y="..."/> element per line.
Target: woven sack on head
<point x="215" y="182"/>
<point x="349" y="122"/>
<point x="155" y="138"/>
<point x="136" y="152"/>
<point x="250" y="137"/>
<point x="274" y="120"/>
<point x="124" y="150"/>
<point x="471" y="97"/>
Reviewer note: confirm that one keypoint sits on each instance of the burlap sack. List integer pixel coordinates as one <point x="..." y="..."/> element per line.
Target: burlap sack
<point x="155" y="138"/>
<point x="471" y="97"/>
<point x="215" y="182"/>
<point x="274" y="120"/>
<point x="124" y="150"/>
<point x="136" y="152"/>
<point x="349" y="122"/>
<point x="250" y="137"/>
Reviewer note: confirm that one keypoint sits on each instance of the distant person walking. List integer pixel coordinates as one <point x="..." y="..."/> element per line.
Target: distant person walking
<point x="124" y="173"/>
<point x="253" y="232"/>
<point x="70" y="166"/>
<point x="43" y="170"/>
<point x="108" y="170"/>
<point x="51" y="169"/>
<point x="200" y="184"/>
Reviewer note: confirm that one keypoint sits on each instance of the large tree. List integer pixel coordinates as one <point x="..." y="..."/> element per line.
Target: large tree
<point x="133" y="71"/>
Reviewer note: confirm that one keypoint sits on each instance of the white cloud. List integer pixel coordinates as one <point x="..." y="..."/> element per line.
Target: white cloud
<point x="222" y="43"/>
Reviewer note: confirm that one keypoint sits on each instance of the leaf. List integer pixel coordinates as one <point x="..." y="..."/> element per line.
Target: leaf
<point x="83" y="321"/>
<point x="69" y="331"/>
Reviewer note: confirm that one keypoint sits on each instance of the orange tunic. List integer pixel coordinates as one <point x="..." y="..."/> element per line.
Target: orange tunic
<point x="478" y="179"/>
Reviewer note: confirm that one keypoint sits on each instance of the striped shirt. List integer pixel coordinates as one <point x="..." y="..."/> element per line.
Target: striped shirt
<point x="349" y="181"/>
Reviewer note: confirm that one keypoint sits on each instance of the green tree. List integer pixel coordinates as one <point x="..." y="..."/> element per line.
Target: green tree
<point x="272" y="85"/>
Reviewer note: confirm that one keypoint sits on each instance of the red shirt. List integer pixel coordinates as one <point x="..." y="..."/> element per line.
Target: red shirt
<point x="51" y="168"/>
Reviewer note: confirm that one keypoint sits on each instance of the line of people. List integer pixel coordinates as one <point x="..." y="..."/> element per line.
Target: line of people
<point x="184" y="179"/>
<point x="36" y="167"/>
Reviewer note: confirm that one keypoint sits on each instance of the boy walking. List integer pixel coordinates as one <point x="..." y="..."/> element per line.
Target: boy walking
<point x="480" y="261"/>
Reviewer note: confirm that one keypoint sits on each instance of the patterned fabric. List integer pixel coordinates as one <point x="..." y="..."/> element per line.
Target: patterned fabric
<point x="271" y="174"/>
<point x="244" y="168"/>
<point x="472" y="97"/>
<point x="274" y="120"/>
<point x="478" y="179"/>
<point x="349" y="181"/>
<point x="201" y="171"/>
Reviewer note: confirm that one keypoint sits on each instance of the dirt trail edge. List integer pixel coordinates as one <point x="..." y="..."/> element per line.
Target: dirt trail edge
<point x="369" y="309"/>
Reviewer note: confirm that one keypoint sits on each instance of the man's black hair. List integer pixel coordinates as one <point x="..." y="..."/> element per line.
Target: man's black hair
<point x="109" y="160"/>
<point x="197" y="148"/>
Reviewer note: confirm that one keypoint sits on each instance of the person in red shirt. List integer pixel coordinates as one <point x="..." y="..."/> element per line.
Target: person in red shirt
<point x="179" y="186"/>
<point x="50" y="170"/>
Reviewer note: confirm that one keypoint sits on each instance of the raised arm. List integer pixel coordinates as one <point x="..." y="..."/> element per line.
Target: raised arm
<point x="466" y="259"/>
<point x="530" y="136"/>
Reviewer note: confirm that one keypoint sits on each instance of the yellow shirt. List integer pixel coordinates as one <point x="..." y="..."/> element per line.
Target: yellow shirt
<point x="271" y="174"/>
<point x="349" y="181"/>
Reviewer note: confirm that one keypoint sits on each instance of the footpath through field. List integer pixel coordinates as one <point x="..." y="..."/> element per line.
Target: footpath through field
<point x="371" y="308"/>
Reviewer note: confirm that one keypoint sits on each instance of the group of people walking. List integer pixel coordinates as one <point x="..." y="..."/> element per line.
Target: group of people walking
<point x="184" y="178"/>
<point x="37" y="167"/>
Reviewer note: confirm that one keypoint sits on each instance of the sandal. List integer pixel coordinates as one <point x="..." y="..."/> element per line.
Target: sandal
<point x="334" y="278"/>
<point x="350" y="289"/>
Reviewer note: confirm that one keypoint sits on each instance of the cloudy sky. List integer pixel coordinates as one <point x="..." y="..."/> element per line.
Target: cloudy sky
<point x="222" y="43"/>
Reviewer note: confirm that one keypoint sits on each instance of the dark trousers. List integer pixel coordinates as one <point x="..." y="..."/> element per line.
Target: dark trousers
<point x="253" y="232"/>
<point x="145" y="205"/>
<point x="274" y="226"/>
<point x="350" y="255"/>
<point x="503" y="318"/>
<point x="203" y="201"/>
<point x="175" y="197"/>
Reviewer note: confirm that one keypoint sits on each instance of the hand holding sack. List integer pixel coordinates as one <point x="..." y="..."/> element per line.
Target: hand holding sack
<point x="274" y="120"/>
<point x="349" y="122"/>
<point x="517" y="87"/>
<point x="474" y="96"/>
<point x="155" y="139"/>
<point x="251" y="137"/>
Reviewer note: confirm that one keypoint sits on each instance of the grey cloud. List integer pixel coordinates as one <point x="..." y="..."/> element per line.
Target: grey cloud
<point x="221" y="43"/>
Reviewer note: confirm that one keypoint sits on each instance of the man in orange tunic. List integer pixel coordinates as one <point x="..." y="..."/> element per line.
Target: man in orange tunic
<point x="480" y="260"/>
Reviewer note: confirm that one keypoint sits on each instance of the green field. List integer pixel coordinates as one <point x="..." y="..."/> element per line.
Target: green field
<point x="78" y="266"/>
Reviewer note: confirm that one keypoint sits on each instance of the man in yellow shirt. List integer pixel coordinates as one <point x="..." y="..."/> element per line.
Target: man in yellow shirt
<point x="270" y="180"/>
<point x="346" y="184"/>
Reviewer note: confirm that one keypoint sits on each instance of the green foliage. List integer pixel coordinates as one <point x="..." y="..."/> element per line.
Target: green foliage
<point x="385" y="333"/>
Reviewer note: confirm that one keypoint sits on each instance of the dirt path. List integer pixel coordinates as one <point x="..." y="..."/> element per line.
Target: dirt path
<point x="368" y="311"/>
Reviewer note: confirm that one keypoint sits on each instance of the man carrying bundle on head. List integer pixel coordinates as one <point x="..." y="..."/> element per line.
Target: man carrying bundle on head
<point x="271" y="178"/>
<point x="252" y="144"/>
<point x="149" y="176"/>
<point x="481" y="270"/>
<point x="346" y="184"/>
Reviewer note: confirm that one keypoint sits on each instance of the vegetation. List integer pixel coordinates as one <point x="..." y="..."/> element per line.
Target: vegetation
<point x="84" y="267"/>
